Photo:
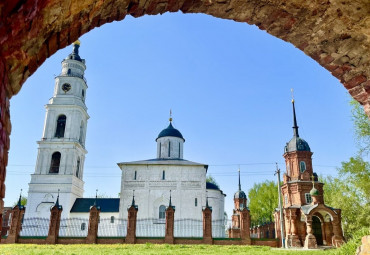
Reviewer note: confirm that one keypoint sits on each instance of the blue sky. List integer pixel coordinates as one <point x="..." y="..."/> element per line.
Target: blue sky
<point x="228" y="85"/>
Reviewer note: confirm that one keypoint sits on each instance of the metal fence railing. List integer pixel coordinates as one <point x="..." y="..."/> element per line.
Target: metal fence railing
<point x="150" y="228"/>
<point x="112" y="227"/>
<point x="73" y="227"/>
<point x="35" y="227"/>
<point x="218" y="229"/>
<point x="188" y="228"/>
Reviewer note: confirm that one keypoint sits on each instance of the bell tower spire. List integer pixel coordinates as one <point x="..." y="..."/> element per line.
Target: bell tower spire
<point x="295" y="126"/>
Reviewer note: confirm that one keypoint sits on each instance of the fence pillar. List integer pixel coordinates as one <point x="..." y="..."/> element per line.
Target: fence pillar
<point x="245" y="222"/>
<point x="55" y="215"/>
<point x="92" y="233"/>
<point x="207" y="225"/>
<point x="131" y="223"/>
<point x="16" y="223"/>
<point x="170" y="221"/>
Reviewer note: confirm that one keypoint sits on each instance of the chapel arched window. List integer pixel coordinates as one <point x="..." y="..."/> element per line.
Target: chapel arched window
<point x="302" y="166"/>
<point x="61" y="126"/>
<point x="55" y="163"/>
<point x="83" y="226"/>
<point x="112" y="219"/>
<point x="162" y="212"/>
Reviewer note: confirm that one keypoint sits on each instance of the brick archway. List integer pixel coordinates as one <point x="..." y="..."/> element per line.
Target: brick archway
<point x="335" y="33"/>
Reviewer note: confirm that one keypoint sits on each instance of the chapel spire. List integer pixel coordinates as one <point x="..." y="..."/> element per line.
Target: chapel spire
<point x="240" y="186"/>
<point x="295" y="126"/>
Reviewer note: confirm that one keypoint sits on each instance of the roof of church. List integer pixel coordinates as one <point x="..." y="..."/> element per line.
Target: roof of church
<point x="170" y="131"/>
<point x="106" y="204"/>
<point x="160" y="161"/>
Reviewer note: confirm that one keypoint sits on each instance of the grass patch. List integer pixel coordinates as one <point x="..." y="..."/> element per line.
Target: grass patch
<point x="139" y="249"/>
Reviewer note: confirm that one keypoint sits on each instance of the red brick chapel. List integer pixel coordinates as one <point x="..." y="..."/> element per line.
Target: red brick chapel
<point x="308" y="221"/>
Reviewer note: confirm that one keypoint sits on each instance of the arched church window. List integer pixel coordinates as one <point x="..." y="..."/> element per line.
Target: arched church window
<point x="163" y="175"/>
<point x="83" y="94"/>
<point x="160" y="150"/>
<point x="55" y="163"/>
<point x="78" y="167"/>
<point x="169" y="149"/>
<point x="179" y="149"/>
<point x="162" y="212"/>
<point x="302" y="166"/>
<point x="83" y="226"/>
<point x="288" y="169"/>
<point x="112" y="219"/>
<point x="61" y="126"/>
<point x="81" y="133"/>
<point x="196" y="201"/>
<point x="135" y="175"/>
<point x="308" y="198"/>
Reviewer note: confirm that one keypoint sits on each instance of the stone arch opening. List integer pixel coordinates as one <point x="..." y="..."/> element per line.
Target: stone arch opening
<point x="317" y="231"/>
<point x="334" y="33"/>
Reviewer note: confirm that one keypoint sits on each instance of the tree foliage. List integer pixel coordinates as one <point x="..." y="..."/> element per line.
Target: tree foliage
<point x="350" y="190"/>
<point x="23" y="201"/>
<point x="263" y="199"/>
<point x="361" y="124"/>
<point x="211" y="179"/>
<point x="340" y="193"/>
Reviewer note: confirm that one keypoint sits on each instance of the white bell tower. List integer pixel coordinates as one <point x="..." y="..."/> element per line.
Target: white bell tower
<point x="61" y="152"/>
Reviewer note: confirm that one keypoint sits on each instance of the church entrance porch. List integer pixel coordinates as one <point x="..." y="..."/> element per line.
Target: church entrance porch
<point x="317" y="232"/>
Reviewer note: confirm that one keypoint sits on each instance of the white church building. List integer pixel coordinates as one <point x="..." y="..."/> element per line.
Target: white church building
<point x="152" y="183"/>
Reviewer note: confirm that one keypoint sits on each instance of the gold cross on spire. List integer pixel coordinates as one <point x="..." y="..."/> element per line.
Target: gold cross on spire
<point x="313" y="181"/>
<point x="292" y="90"/>
<point x="170" y="115"/>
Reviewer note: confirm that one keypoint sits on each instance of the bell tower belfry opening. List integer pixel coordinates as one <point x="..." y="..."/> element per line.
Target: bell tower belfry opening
<point x="61" y="152"/>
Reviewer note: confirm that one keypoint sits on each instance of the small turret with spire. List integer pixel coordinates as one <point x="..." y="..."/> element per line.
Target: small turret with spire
<point x="240" y="198"/>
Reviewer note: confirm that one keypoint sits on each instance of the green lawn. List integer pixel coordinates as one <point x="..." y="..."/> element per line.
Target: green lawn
<point x="150" y="249"/>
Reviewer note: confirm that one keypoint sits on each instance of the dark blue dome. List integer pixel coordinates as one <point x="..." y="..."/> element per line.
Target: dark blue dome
<point x="240" y="194"/>
<point x="74" y="55"/>
<point x="297" y="144"/>
<point x="170" y="131"/>
<point x="210" y="185"/>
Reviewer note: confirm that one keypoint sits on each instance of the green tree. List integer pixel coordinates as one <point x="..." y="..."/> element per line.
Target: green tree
<point x="263" y="200"/>
<point x="23" y="201"/>
<point x="339" y="193"/>
<point x="211" y="179"/>
<point x="361" y="124"/>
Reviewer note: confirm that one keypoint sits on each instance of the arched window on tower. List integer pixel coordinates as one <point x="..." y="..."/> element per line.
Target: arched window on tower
<point x="169" y="148"/>
<point x="162" y="212"/>
<point x="163" y="175"/>
<point x="78" y="167"/>
<point x="55" y="163"/>
<point x="81" y="133"/>
<point x="61" y="126"/>
<point x="288" y="169"/>
<point x="302" y="166"/>
<point x="112" y="219"/>
<point x="83" y="95"/>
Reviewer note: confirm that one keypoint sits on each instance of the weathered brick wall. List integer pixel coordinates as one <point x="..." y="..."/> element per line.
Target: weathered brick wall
<point x="334" y="33"/>
<point x="271" y="243"/>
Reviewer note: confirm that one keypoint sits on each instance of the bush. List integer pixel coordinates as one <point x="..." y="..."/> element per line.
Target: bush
<point x="351" y="246"/>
